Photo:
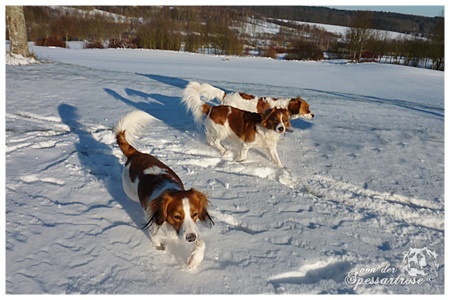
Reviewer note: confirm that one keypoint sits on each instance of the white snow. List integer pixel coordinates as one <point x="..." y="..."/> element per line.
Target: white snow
<point x="18" y="59"/>
<point x="363" y="183"/>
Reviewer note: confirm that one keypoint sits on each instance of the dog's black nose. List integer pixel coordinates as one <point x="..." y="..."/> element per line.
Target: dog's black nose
<point x="191" y="237"/>
<point x="280" y="129"/>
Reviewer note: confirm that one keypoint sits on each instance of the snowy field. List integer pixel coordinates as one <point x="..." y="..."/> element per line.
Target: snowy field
<point x="253" y="27"/>
<point x="363" y="183"/>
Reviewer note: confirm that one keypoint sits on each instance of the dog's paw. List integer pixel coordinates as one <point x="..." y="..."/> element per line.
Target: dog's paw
<point x="241" y="158"/>
<point x="160" y="247"/>
<point x="158" y="244"/>
<point x="194" y="260"/>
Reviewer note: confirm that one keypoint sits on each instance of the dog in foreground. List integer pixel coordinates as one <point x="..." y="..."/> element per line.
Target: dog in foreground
<point x="251" y="129"/>
<point x="297" y="107"/>
<point x="172" y="210"/>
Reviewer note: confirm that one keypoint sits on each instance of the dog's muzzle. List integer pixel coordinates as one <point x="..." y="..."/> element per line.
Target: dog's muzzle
<point x="307" y="116"/>
<point x="280" y="128"/>
<point x="191" y="237"/>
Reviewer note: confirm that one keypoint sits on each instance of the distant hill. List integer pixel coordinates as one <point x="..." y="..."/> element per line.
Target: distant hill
<point x="380" y="20"/>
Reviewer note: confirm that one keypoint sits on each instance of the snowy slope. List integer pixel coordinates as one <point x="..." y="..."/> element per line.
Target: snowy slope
<point x="341" y="30"/>
<point x="364" y="180"/>
<point x="254" y="27"/>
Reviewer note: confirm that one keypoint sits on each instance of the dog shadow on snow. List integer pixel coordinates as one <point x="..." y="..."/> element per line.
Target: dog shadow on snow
<point x="97" y="159"/>
<point x="173" y="81"/>
<point x="168" y="109"/>
<point x="177" y="82"/>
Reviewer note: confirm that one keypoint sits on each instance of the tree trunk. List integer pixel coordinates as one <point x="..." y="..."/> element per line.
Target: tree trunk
<point x="17" y="30"/>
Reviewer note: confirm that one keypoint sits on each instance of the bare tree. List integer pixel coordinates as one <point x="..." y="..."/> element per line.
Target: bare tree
<point x="358" y="34"/>
<point x="437" y="46"/>
<point x="65" y="27"/>
<point x="17" y="30"/>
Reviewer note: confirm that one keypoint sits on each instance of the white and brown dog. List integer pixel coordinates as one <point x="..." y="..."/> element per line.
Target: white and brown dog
<point x="251" y="129"/>
<point x="171" y="209"/>
<point x="298" y="108"/>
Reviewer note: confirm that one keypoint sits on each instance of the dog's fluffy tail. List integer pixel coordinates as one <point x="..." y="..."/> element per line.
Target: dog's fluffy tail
<point x="128" y="128"/>
<point x="208" y="92"/>
<point x="193" y="102"/>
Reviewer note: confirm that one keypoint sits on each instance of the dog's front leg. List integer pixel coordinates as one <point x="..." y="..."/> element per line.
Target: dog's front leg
<point x="243" y="152"/>
<point x="197" y="255"/>
<point x="273" y="153"/>
<point x="157" y="240"/>
<point x="216" y="143"/>
<point x="159" y="236"/>
<point x="158" y="243"/>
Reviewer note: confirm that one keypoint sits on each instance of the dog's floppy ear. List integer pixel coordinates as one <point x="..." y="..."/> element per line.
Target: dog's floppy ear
<point x="287" y="114"/>
<point x="158" y="211"/>
<point x="294" y="106"/>
<point x="265" y="115"/>
<point x="203" y="203"/>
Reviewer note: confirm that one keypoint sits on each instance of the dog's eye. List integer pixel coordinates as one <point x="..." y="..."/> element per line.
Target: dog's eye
<point x="194" y="215"/>
<point x="177" y="217"/>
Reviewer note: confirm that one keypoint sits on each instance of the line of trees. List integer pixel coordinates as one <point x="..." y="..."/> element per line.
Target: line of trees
<point x="218" y="30"/>
<point x="44" y="23"/>
<point x="165" y="28"/>
<point x="365" y="43"/>
<point x="384" y="21"/>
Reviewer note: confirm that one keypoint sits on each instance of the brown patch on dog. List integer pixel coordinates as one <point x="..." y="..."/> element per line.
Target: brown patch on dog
<point x="169" y="208"/>
<point x="274" y="116"/>
<point x="219" y="114"/>
<point x="141" y="161"/>
<point x="246" y="96"/>
<point x="294" y="106"/>
<point x="243" y="123"/>
<point x="205" y="108"/>
<point x="262" y="105"/>
<point x="304" y="107"/>
<point x="298" y="106"/>
<point x="126" y="148"/>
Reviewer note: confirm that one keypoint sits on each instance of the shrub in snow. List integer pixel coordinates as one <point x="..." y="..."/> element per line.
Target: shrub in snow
<point x="51" y="41"/>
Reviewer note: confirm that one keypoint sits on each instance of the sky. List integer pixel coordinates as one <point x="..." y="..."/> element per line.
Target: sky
<point x="428" y="11"/>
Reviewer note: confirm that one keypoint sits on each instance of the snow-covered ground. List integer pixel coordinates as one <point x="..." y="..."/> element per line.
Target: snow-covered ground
<point x="364" y="181"/>
<point x="18" y="59"/>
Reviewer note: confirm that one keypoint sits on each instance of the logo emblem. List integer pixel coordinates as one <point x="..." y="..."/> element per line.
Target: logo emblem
<point x="420" y="262"/>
